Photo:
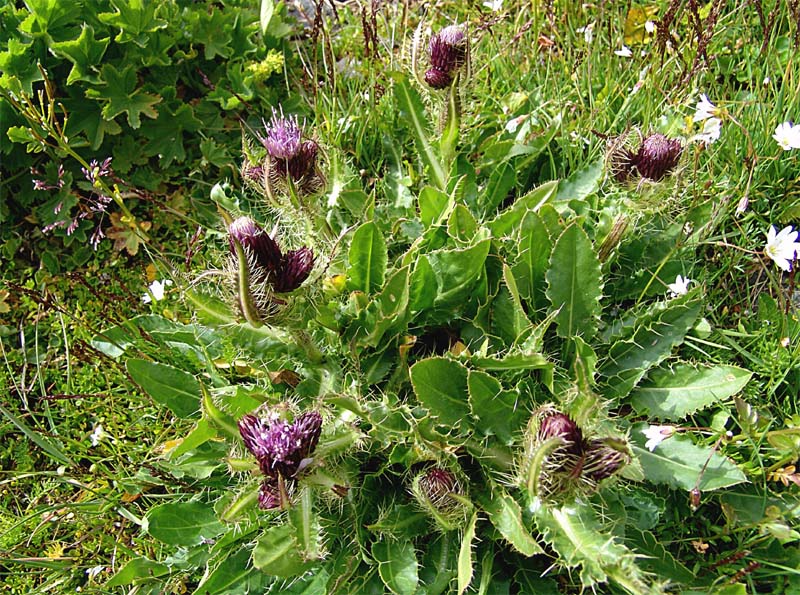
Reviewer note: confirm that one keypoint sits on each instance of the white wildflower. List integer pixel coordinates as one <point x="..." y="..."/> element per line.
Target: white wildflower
<point x="656" y="435"/>
<point x="624" y="52"/>
<point x="650" y="27"/>
<point x="705" y="110"/>
<point x="97" y="435"/>
<point x="94" y="571"/>
<point x="711" y="131"/>
<point x="513" y="123"/>
<point x="782" y="246"/>
<point x="588" y="32"/>
<point x="680" y="287"/>
<point x="787" y="135"/>
<point x="156" y="291"/>
<point x="494" y="5"/>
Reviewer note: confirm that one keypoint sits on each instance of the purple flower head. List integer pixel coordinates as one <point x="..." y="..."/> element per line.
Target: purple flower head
<point x="448" y="52"/>
<point x="303" y="163"/>
<point x="280" y="447"/>
<point x="283" y="135"/>
<point x="436" y="484"/>
<point x="558" y="425"/>
<point x="295" y="268"/>
<point x="256" y="243"/>
<point x="602" y="460"/>
<point x="657" y="156"/>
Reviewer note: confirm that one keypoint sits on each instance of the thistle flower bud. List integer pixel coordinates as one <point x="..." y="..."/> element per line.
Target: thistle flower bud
<point x="657" y="156"/>
<point x="559" y="425"/>
<point x="439" y="494"/>
<point x="448" y="52"/>
<point x="603" y="458"/>
<point x="269" y="496"/>
<point x="295" y="268"/>
<point x="256" y="242"/>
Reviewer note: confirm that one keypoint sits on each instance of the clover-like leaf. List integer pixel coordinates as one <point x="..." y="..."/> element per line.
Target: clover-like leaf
<point x="121" y="96"/>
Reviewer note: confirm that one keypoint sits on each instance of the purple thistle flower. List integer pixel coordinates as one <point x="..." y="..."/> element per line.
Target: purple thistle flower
<point x="448" y="52"/>
<point x="296" y="266"/>
<point x="303" y="162"/>
<point x="283" y="135"/>
<point x="558" y="425"/>
<point x="281" y="448"/>
<point x="602" y="460"/>
<point x="437" y="484"/>
<point x="657" y="156"/>
<point x="256" y="243"/>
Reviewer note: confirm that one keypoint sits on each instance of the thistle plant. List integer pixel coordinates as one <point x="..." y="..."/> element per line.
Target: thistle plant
<point x="655" y="158"/>
<point x="439" y="493"/>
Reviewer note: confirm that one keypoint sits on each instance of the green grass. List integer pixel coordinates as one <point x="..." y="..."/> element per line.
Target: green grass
<point x="56" y="522"/>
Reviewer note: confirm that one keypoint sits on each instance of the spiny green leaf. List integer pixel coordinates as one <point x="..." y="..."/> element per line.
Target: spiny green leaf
<point x="367" y="259"/>
<point x="397" y="565"/>
<point x="505" y="222"/>
<point x="574" y="285"/>
<point x="441" y="386"/>
<point x="506" y="515"/>
<point x="680" y="390"/>
<point x="496" y="411"/>
<point x="276" y="553"/>
<point x="533" y="258"/>
<point x="465" y="571"/>
<point x="183" y="523"/>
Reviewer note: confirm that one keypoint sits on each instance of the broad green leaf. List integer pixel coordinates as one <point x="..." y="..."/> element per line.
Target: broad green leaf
<point x="496" y="410"/>
<point x="506" y="515"/>
<point x="176" y="389"/>
<point x="652" y="340"/>
<point x="678" y="391"/>
<point x="120" y="95"/>
<point x="183" y="523"/>
<point x="505" y="222"/>
<point x="678" y="463"/>
<point x="389" y="308"/>
<point x="533" y="257"/>
<point x="135" y="19"/>
<point x="456" y="272"/>
<point x="432" y="204"/>
<point x="584" y="364"/>
<point x="367" y="259"/>
<point x="138" y="570"/>
<point x="305" y="521"/>
<point x="574" y="285"/>
<point x="234" y="576"/>
<point x="276" y="553"/>
<point x="438" y="564"/>
<point x="500" y="184"/>
<point x="85" y="53"/>
<point x="166" y="134"/>
<point x="522" y="360"/>
<point x="441" y="386"/>
<point x="265" y="16"/>
<point x="48" y="446"/>
<point x="465" y="563"/>
<point x="413" y="112"/>
<point x="583" y="183"/>
<point x="509" y="320"/>
<point x="200" y="434"/>
<point x="423" y="285"/>
<point x="655" y="558"/>
<point x="461" y="225"/>
<point x="397" y="565"/>
<point x="48" y="16"/>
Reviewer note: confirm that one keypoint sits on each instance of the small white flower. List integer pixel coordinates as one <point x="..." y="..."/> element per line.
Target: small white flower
<point x="156" y="291"/>
<point x="711" y="131"/>
<point x="680" y="287"/>
<point x="624" y="52"/>
<point x="704" y="110"/>
<point x="787" y="135"/>
<point x="97" y="435"/>
<point x="494" y="5"/>
<point x="650" y="27"/>
<point x="588" y="32"/>
<point x="94" y="571"/>
<point x="656" y="435"/>
<point x="782" y="246"/>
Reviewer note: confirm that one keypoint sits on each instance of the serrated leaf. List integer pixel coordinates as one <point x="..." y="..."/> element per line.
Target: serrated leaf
<point x="307" y="526"/>
<point x="176" y="389"/>
<point x="457" y="272"/>
<point x="397" y="565"/>
<point x="574" y="284"/>
<point x="678" y="463"/>
<point x="234" y="576"/>
<point x="505" y="514"/>
<point x="505" y="222"/>
<point x="165" y="134"/>
<point x="367" y="259"/>
<point x="652" y="341"/>
<point x="655" y="558"/>
<point x="413" y="112"/>
<point x="120" y="95"/>
<point x="680" y="390"/>
<point x="465" y="570"/>
<point x="496" y="410"/>
<point x="441" y="386"/>
<point x="389" y="308"/>
<point x="183" y="523"/>
<point x="276" y="553"/>
<point x="134" y="18"/>
<point x="582" y="183"/>
<point x="533" y="258"/>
